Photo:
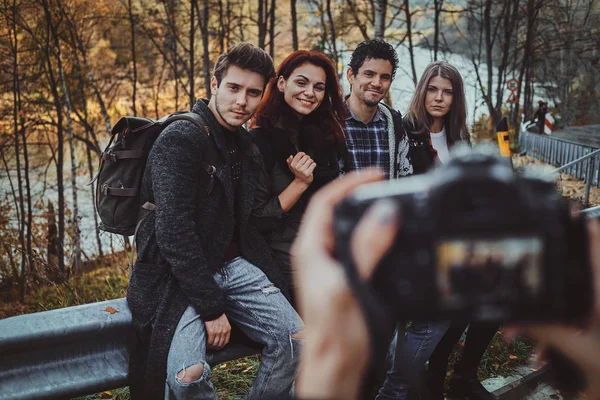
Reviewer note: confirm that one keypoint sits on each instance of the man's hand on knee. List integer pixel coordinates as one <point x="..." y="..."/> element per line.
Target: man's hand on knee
<point x="217" y="332"/>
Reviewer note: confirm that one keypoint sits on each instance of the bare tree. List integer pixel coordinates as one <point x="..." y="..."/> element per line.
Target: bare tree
<point x="191" y="54"/>
<point x="14" y="48"/>
<point x="262" y="22"/>
<point x="272" y="29"/>
<point x="437" y="6"/>
<point x="294" y="24"/>
<point x="410" y="42"/>
<point x="76" y="265"/>
<point x="45" y="49"/>
<point x="333" y="36"/>
<point x="171" y="11"/>
<point x="203" y="23"/>
<point x="352" y="7"/>
<point x="134" y="78"/>
<point x="380" y="11"/>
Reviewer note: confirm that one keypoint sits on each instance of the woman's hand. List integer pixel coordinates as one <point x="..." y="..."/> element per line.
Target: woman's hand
<point x="302" y="166"/>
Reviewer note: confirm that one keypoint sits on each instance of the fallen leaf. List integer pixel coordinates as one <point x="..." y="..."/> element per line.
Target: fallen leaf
<point x="247" y="369"/>
<point x="512" y="357"/>
<point x="557" y="391"/>
<point x="110" y="310"/>
<point x="533" y="369"/>
<point x="106" y="395"/>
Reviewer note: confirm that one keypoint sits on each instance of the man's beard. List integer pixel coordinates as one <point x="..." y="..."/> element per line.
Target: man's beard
<point x="218" y="108"/>
<point x="370" y="103"/>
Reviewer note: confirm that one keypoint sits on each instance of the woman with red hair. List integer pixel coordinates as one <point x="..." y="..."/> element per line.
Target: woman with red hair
<point x="299" y="130"/>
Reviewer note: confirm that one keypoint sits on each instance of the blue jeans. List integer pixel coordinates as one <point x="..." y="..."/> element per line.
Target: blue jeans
<point x="413" y="349"/>
<point x="262" y="313"/>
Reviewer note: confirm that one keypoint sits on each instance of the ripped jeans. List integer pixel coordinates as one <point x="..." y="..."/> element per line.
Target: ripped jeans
<point x="262" y="313"/>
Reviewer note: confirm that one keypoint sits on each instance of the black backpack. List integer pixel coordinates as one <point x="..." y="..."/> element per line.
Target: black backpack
<point x="122" y="165"/>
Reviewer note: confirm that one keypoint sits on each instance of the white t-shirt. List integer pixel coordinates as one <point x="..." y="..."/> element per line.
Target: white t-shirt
<point x="438" y="141"/>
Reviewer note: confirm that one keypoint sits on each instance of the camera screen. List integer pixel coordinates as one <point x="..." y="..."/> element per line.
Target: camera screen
<point x="479" y="271"/>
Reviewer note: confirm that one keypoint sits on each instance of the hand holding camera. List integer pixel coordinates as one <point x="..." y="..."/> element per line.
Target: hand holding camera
<point x="475" y="240"/>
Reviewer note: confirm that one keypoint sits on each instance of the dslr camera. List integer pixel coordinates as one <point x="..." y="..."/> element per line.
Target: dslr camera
<point x="476" y="240"/>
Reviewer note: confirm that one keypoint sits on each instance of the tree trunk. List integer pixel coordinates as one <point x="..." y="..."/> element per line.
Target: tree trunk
<point x="333" y="37"/>
<point x="192" y="67"/>
<point x="228" y="29"/>
<point x="294" y="25"/>
<point x="221" y="28"/>
<point x="76" y="265"/>
<point x="133" y="54"/>
<point x="380" y="11"/>
<point x="203" y="23"/>
<point x="489" y="50"/>
<point x="59" y="134"/>
<point x="262" y="23"/>
<point x="19" y="125"/>
<point x="22" y="223"/>
<point x="410" y="42"/>
<point x="437" y="4"/>
<point x="532" y="13"/>
<point x="90" y="166"/>
<point x="272" y="29"/>
<point x="52" y="240"/>
<point x="509" y="23"/>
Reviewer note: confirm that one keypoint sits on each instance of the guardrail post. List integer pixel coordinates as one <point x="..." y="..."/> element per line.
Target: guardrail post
<point x="588" y="182"/>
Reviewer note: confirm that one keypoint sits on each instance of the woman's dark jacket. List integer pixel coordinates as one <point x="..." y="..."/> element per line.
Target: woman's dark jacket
<point x="276" y="146"/>
<point x="421" y="153"/>
<point x="182" y="243"/>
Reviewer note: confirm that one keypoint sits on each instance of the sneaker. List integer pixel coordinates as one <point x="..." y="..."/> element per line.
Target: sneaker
<point x="469" y="389"/>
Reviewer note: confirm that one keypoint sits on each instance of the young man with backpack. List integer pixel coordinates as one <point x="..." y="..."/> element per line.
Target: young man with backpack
<point x="201" y="264"/>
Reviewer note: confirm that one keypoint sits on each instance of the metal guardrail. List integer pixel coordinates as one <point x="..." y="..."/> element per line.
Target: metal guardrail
<point x="593" y="212"/>
<point x="578" y="160"/>
<point x="73" y="351"/>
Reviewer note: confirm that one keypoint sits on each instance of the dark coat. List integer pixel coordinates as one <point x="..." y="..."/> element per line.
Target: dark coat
<point x="182" y="244"/>
<point x="275" y="176"/>
<point x="421" y="152"/>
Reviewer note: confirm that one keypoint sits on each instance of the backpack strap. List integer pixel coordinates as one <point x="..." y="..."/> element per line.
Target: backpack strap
<point x="399" y="135"/>
<point x="210" y="169"/>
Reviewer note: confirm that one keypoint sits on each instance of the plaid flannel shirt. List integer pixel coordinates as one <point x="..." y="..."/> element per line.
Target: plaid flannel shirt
<point x="368" y="144"/>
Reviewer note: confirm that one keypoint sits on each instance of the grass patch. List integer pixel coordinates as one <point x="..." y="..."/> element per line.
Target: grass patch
<point x="232" y="381"/>
<point x="107" y="279"/>
<point x="499" y="359"/>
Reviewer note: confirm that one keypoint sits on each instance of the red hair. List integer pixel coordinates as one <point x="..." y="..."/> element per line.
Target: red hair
<point x="329" y="117"/>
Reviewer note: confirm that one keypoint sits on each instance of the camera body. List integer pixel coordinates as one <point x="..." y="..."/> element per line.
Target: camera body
<point x="476" y="241"/>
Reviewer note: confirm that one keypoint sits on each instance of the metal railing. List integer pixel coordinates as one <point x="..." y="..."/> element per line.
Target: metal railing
<point x="578" y="160"/>
<point x="74" y="351"/>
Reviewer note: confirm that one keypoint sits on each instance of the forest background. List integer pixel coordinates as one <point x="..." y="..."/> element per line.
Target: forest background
<point x="69" y="69"/>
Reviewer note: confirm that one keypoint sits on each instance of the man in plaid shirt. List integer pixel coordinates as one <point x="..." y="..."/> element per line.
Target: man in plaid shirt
<point x="374" y="133"/>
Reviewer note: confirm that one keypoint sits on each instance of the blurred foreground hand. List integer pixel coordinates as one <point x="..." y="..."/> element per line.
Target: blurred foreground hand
<point x="580" y="346"/>
<point x="336" y="347"/>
